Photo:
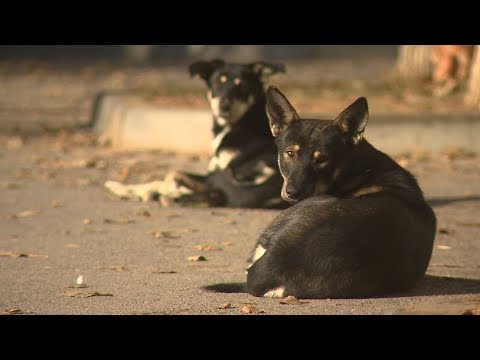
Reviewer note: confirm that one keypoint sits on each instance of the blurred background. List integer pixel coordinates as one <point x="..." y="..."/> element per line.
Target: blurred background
<point x="55" y="86"/>
<point x="143" y="54"/>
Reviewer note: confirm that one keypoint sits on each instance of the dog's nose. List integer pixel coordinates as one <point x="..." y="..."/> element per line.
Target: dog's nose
<point x="225" y="105"/>
<point x="292" y="193"/>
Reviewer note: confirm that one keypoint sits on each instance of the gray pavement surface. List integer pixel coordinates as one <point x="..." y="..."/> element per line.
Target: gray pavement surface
<point x="58" y="222"/>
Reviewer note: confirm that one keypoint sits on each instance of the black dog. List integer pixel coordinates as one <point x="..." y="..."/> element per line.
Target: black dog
<point x="360" y="225"/>
<point x="242" y="171"/>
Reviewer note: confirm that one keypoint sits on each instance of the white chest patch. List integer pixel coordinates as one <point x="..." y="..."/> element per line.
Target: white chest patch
<point x="221" y="121"/>
<point x="222" y="160"/>
<point x="275" y="293"/>
<point x="217" y="140"/>
<point x="259" y="252"/>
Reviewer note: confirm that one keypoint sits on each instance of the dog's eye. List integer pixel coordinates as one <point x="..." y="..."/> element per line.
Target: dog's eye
<point x="290" y="153"/>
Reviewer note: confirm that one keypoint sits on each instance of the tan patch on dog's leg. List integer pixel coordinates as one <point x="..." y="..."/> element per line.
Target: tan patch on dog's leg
<point x="367" y="190"/>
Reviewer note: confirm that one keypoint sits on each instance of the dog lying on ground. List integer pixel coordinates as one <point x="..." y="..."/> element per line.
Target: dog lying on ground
<point x="242" y="171"/>
<point x="360" y="226"/>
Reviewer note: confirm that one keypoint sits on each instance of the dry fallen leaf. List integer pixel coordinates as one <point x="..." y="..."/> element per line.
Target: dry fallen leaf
<point x="14" y="143"/>
<point x="156" y="271"/>
<point x="446" y="231"/>
<point x="84" y="182"/>
<point x="18" y="254"/>
<point x="457" y="152"/>
<point x="225" y="306"/>
<point x="118" y="221"/>
<point x="85" y="294"/>
<point x="207" y="247"/>
<point x="71" y="245"/>
<point x="10" y="186"/>
<point x="475" y="311"/>
<point x="217" y="213"/>
<point x="444" y="247"/>
<point x="290" y="300"/>
<point x="171" y="215"/>
<point x="469" y="223"/>
<point x="119" y="268"/>
<point x="249" y="309"/>
<point x="145" y="213"/>
<point x="27" y="213"/>
<point x="168" y="235"/>
<point x="78" y="286"/>
<point x="18" y="311"/>
<point x="196" y="258"/>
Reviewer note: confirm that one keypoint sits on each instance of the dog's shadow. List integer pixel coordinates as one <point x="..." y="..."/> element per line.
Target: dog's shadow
<point x="441" y="285"/>
<point x="442" y="201"/>
<point x="430" y="285"/>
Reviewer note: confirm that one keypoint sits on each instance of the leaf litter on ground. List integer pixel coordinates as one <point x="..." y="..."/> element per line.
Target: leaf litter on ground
<point x="85" y="294"/>
<point x="15" y="254"/>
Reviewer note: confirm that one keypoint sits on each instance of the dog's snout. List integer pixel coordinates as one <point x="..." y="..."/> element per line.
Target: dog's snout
<point x="225" y="105"/>
<point x="292" y="192"/>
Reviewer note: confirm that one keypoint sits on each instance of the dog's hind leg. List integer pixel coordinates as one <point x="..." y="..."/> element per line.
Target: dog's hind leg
<point x="201" y="192"/>
<point x="194" y="182"/>
<point x="175" y="185"/>
<point x="143" y="192"/>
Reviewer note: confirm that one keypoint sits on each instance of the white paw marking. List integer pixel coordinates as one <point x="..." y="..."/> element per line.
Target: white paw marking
<point x="275" y="293"/>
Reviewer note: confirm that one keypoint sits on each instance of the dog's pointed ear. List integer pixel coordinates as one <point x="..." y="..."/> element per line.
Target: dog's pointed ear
<point x="205" y="68"/>
<point x="279" y="111"/>
<point x="353" y="119"/>
<point x="263" y="69"/>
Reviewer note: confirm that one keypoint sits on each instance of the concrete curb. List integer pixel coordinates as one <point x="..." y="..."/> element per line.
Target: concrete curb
<point x="129" y="123"/>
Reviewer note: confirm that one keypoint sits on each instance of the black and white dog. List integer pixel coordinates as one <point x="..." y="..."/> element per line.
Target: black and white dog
<point x="243" y="170"/>
<point x="359" y="225"/>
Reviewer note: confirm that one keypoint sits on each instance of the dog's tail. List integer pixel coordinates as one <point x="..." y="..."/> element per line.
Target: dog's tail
<point x="227" y="288"/>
